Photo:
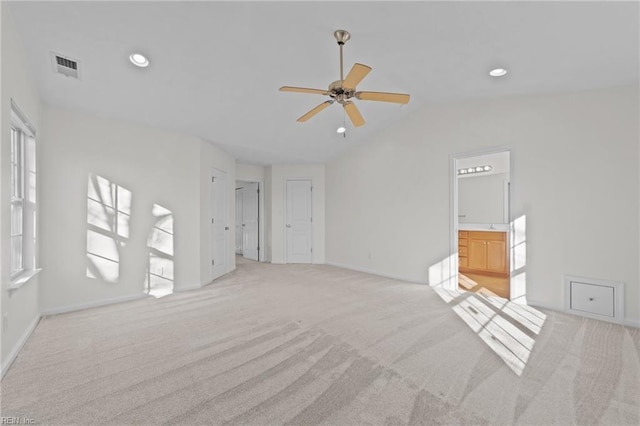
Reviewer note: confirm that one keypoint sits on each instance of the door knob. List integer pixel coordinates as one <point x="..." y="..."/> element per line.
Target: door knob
<point x="288" y="226"/>
<point x="226" y="228"/>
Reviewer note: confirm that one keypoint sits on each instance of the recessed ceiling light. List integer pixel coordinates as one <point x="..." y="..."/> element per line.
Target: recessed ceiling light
<point x="139" y="60"/>
<point x="497" y="72"/>
<point x="341" y="129"/>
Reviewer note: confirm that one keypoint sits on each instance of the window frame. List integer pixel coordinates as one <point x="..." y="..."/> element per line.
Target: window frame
<point x="23" y="193"/>
<point x="17" y="195"/>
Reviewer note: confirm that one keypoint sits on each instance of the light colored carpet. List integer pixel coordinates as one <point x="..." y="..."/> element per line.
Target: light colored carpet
<point x="312" y="344"/>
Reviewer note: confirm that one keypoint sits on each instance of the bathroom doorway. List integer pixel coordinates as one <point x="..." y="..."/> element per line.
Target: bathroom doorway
<point x="481" y="221"/>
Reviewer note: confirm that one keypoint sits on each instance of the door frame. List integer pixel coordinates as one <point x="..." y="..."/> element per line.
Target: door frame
<point x="284" y="216"/>
<point x="235" y="231"/>
<point x="261" y="222"/>
<point x="225" y="196"/>
<point x="453" y="208"/>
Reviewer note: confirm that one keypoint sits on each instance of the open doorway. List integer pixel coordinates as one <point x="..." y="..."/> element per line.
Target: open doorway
<point x="481" y="222"/>
<point x="249" y="231"/>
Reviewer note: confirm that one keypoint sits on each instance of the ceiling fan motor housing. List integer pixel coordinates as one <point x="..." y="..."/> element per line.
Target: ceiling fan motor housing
<point x="339" y="93"/>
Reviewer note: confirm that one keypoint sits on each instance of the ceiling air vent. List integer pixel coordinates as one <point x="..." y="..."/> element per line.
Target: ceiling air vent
<point x="65" y="65"/>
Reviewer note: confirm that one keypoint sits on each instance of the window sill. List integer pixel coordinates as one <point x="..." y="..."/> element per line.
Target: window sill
<point x="23" y="278"/>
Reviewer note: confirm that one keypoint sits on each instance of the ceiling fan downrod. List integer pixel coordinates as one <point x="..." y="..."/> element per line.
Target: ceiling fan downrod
<point x="342" y="36"/>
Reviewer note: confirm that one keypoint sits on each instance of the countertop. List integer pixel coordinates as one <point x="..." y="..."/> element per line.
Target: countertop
<point x="491" y="227"/>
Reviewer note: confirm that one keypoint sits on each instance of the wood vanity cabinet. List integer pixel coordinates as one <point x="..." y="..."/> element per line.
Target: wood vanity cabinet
<point x="463" y="249"/>
<point x="483" y="252"/>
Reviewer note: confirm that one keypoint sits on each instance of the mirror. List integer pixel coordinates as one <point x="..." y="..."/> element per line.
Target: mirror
<point x="483" y="189"/>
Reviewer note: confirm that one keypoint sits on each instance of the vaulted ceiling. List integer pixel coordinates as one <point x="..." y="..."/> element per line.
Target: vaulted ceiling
<point x="216" y="66"/>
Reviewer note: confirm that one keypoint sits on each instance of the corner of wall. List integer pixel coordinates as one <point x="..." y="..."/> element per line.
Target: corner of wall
<point x="20" y="307"/>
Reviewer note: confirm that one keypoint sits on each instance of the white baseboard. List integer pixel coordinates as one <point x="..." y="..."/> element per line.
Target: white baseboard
<point x="535" y="303"/>
<point x="18" y="347"/>
<point x="629" y="322"/>
<point x="189" y="287"/>
<point x="206" y="283"/>
<point x="202" y="284"/>
<point x="81" y="306"/>
<point x="372" y="272"/>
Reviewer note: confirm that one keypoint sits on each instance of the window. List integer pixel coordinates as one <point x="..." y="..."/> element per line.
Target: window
<point x="23" y="198"/>
<point x="17" y="200"/>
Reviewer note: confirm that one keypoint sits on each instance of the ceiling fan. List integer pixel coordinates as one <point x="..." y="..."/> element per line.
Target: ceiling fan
<point x="343" y="90"/>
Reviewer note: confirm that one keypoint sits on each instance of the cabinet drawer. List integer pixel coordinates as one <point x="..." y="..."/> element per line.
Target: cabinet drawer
<point x="463" y="234"/>
<point x="593" y="299"/>
<point x="488" y="236"/>
<point x="462" y="251"/>
<point x="463" y="262"/>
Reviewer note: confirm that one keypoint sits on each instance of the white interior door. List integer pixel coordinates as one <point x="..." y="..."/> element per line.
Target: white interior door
<point x="250" y="221"/>
<point x="239" y="196"/>
<point x="219" y="225"/>
<point x="299" y="220"/>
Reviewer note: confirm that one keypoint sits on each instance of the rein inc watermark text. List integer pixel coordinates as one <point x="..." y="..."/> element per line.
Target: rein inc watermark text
<point x="17" y="421"/>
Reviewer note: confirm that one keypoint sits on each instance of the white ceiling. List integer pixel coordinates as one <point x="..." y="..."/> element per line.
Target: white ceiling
<point x="216" y="66"/>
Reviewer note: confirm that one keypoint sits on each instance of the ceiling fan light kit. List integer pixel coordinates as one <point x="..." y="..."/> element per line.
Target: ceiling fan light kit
<point x="343" y="90"/>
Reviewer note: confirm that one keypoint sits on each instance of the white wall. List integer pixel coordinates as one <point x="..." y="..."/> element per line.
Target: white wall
<point x="20" y="308"/>
<point x="575" y="178"/>
<point x="249" y="172"/>
<point x="157" y="167"/>
<point x="481" y="198"/>
<point x="278" y="174"/>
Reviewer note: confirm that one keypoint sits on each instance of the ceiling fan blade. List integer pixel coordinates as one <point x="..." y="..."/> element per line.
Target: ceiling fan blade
<point x="355" y="76"/>
<point x="354" y="114"/>
<point x="315" y="111"/>
<point x="396" y="98"/>
<point x="303" y="90"/>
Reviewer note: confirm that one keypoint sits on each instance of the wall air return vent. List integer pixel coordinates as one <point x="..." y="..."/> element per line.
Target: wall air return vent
<point x="65" y="65"/>
<point x="594" y="298"/>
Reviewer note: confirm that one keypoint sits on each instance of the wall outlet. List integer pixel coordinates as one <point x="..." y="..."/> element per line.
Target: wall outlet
<point x="370" y="255"/>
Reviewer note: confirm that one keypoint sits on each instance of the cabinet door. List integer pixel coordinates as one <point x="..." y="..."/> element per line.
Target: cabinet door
<point x="496" y="256"/>
<point x="477" y="258"/>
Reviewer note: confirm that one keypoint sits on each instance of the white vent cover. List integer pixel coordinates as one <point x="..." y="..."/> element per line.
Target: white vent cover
<point x="594" y="298"/>
<point x="65" y="65"/>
